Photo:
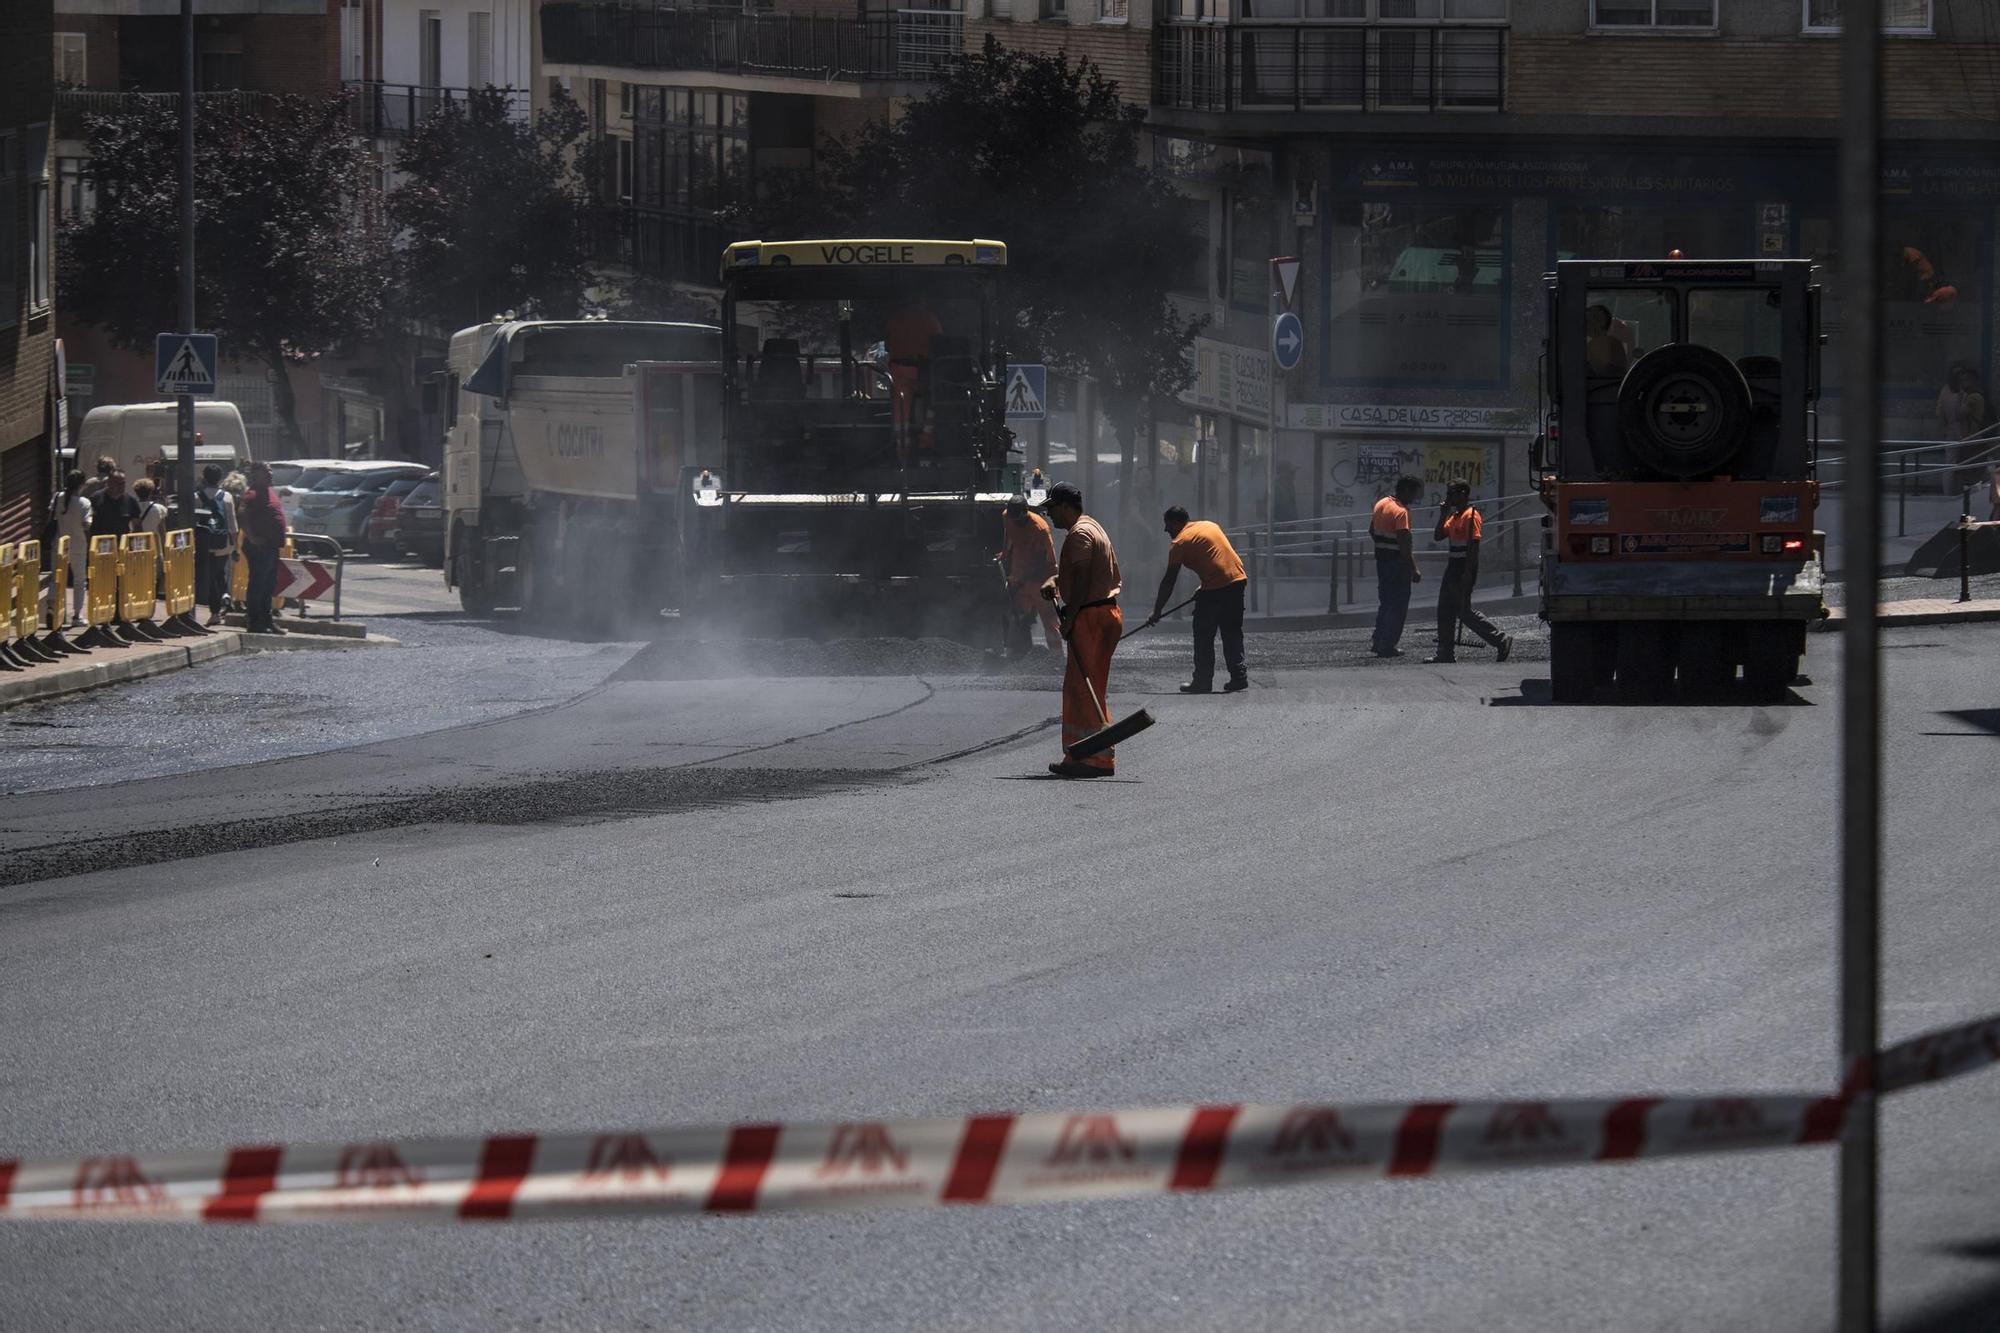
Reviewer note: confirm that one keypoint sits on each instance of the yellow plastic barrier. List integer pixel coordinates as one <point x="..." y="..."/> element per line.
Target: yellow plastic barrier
<point x="6" y="591"/>
<point x="138" y="577"/>
<point x="27" y="589"/>
<point x="101" y="581"/>
<point x="239" y="574"/>
<point x="180" y="571"/>
<point x="59" y="586"/>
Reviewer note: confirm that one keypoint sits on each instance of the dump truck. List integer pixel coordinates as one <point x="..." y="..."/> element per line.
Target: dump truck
<point x="864" y="452"/>
<point x="564" y="489"/>
<point x="1677" y="464"/>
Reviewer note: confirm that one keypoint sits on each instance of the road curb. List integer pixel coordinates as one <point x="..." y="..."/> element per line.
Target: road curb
<point x="1892" y="614"/>
<point x="113" y="666"/>
<point x="291" y="641"/>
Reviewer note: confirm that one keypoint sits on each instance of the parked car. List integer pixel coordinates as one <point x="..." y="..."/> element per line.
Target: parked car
<point x="380" y="538"/>
<point x="292" y="478"/>
<point x="339" y="503"/>
<point x="420" y="521"/>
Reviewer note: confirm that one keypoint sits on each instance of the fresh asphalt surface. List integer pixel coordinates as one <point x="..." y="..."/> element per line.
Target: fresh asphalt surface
<point x="696" y="883"/>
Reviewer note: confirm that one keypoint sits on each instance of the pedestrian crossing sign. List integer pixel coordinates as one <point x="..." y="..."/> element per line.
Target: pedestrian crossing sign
<point x="184" y="363"/>
<point x="1027" y="393"/>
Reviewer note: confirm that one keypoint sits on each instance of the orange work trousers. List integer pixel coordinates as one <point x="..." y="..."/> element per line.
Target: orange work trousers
<point x="1093" y="637"/>
<point x="1027" y="600"/>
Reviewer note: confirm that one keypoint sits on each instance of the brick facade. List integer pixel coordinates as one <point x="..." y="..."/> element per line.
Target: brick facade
<point x="27" y="340"/>
<point x="1780" y="78"/>
<point x="1124" y="53"/>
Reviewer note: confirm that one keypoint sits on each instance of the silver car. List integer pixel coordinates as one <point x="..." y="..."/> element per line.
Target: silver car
<point x="339" y="503"/>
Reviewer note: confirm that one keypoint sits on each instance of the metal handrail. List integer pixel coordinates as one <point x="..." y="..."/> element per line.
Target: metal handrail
<point x="298" y="539"/>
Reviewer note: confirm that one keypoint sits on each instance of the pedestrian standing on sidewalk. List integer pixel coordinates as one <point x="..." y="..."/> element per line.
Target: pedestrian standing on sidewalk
<point x="152" y="521"/>
<point x="1086" y="582"/>
<point x="73" y="522"/>
<point x="215" y="532"/>
<point x="1460" y="524"/>
<point x="106" y="465"/>
<point x="262" y="517"/>
<point x="1395" y="563"/>
<point x="113" y="513"/>
<point x="1204" y="547"/>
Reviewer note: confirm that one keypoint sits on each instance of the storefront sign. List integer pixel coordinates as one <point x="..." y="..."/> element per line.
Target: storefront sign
<point x="1406" y="417"/>
<point x="1230" y="379"/>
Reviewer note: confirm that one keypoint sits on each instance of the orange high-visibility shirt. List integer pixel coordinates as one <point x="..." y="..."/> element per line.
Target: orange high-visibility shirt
<point x="1204" y="548"/>
<point x="1462" y="529"/>
<point x="1388" y="519"/>
<point x="1027" y="550"/>
<point x="1088" y="568"/>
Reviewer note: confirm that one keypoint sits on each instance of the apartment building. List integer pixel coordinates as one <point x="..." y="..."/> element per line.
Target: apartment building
<point x="27" y="288"/>
<point x="108" y="53"/>
<point x="1428" y="159"/>
<point x="401" y="58"/>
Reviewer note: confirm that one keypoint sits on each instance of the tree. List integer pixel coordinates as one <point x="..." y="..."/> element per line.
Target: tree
<point x="490" y="214"/>
<point x="1041" y="153"/>
<point x="288" y="262"/>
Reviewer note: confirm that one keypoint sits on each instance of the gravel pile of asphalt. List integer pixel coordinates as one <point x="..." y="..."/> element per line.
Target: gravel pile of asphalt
<point x="567" y="797"/>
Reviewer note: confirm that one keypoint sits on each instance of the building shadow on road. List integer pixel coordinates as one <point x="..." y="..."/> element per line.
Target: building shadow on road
<point x="1973" y="1311"/>
<point x="1537" y="693"/>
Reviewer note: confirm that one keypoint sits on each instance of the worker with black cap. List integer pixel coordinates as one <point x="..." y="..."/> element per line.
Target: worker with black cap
<point x="1086" y="583"/>
<point x="1459" y="523"/>
<point x="1027" y="557"/>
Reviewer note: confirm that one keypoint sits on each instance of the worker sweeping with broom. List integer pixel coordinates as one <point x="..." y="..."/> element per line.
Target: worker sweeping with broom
<point x="1085" y="587"/>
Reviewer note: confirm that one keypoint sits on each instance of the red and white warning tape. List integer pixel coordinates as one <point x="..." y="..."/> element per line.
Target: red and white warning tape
<point x="1032" y="1158"/>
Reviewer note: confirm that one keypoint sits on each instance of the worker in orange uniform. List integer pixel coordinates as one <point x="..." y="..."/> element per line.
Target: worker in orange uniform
<point x="1027" y="557"/>
<point x="1395" y="563"/>
<point x="913" y="327"/>
<point x="1086" y="584"/>
<point x="1218" y="604"/>
<point x="1460" y="524"/>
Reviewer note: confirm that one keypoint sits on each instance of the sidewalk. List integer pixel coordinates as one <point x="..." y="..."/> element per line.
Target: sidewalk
<point x="1923" y="611"/>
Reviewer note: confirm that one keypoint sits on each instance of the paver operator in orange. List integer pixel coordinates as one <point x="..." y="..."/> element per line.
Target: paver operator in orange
<point x="1028" y="558"/>
<point x="1086" y="582"/>
<point x="1203" y="547"/>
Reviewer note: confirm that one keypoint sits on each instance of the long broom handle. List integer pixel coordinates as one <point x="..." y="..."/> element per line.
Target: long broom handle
<point x="1147" y="624"/>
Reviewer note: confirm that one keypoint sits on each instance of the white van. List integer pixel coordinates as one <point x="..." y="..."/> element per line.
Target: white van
<point x="138" y="434"/>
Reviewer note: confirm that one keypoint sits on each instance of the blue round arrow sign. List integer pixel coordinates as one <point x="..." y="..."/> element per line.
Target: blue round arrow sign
<point x="1288" y="340"/>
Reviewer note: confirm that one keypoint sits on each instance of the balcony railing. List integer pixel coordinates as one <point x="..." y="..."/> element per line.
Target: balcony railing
<point x="906" y="45"/>
<point x="392" y="110"/>
<point x="1330" y="67"/>
<point x="101" y="102"/>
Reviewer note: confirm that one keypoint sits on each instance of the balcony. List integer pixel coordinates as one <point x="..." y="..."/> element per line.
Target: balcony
<point x="903" y="46"/>
<point x="1306" y="67"/>
<point x="392" y="110"/>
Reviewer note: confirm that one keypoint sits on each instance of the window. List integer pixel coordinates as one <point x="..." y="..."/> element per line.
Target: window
<point x="75" y="196"/>
<point x="1419" y="293"/>
<point x="1112" y="11"/>
<point x="478" y="49"/>
<point x="430" y="49"/>
<point x="1623" y="324"/>
<point x="1252" y="243"/>
<point x="219" y="63"/>
<point x="1652" y="13"/>
<point x="1054" y="9"/>
<point x="1897" y="16"/>
<point x="1737" y="323"/>
<point x="40" y="293"/>
<point x="71" y="70"/>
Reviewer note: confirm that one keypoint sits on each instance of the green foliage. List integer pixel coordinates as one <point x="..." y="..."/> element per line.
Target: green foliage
<point x="1042" y="154"/>
<point x="288" y="263"/>
<point x="490" y="215"/>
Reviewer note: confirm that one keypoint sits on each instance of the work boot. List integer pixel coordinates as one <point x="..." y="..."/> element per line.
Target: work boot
<point x="1388" y="652"/>
<point x="1069" y="768"/>
<point x="1236" y="686"/>
<point x="1197" y="687"/>
<point x="1506" y="647"/>
<point x="1439" y="659"/>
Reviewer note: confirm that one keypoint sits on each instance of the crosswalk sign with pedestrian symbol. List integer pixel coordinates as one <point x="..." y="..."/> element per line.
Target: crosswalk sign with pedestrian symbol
<point x="184" y="363"/>
<point x="1027" y="393"/>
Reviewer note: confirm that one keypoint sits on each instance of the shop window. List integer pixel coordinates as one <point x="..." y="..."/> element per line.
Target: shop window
<point x="1252" y="237"/>
<point x="1419" y="293"/>
<point x="1637" y="231"/>
<point x="1653" y="13"/>
<point x="1911" y="16"/>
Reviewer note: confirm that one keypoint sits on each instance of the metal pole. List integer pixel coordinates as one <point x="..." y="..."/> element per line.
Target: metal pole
<point x="1902" y="494"/>
<point x="1861" y="686"/>
<point x="1333" y="581"/>
<point x="185" y="402"/>
<point x="1271" y="455"/>
<point x="1353" y="560"/>
<point x="1965" y="545"/>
